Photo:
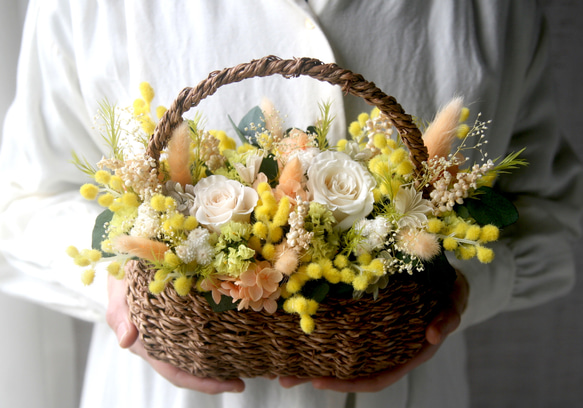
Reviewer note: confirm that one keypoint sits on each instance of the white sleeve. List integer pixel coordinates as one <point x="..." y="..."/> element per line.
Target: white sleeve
<point x="41" y="212"/>
<point x="534" y="258"/>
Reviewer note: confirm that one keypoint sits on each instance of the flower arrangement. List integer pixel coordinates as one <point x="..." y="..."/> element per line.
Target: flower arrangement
<point x="286" y="219"/>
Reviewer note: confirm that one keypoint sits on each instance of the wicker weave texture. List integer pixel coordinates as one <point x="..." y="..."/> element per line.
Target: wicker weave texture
<point x="353" y="338"/>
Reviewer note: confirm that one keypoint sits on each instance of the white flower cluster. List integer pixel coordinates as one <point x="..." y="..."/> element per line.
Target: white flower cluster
<point x="445" y="194"/>
<point x="373" y="233"/>
<point x="297" y="235"/>
<point x="196" y="247"/>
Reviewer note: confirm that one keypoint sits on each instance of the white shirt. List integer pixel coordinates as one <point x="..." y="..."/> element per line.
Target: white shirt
<point x="75" y="54"/>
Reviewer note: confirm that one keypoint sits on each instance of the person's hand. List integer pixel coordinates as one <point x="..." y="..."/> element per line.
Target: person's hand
<point x="127" y="336"/>
<point x="441" y="326"/>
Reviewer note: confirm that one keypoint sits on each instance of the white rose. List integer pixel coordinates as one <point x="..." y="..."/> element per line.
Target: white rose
<point x="342" y="185"/>
<point x="219" y="200"/>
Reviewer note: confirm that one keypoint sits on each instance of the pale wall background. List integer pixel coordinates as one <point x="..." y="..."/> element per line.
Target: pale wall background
<point x="531" y="359"/>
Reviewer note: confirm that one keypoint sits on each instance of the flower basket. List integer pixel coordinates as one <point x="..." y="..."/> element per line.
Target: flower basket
<point x="288" y="256"/>
<point x="353" y="337"/>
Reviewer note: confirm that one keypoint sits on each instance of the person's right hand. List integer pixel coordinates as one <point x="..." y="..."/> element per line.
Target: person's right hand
<point x="127" y="335"/>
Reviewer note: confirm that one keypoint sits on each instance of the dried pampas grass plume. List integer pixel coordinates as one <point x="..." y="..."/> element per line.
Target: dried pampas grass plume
<point x="140" y="247"/>
<point x="179" y="155"/>
<point x="418" y="243"/>
<point x="440" y="134"/>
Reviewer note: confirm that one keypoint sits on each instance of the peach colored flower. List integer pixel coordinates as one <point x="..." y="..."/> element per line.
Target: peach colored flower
<point x="257" y="287"/>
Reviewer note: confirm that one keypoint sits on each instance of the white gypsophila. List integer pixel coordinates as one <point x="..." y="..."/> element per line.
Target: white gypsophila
<point x="412" y="207"/>
<point x="219" y="200"/>
<point x="196" y="247"/>
<point x="342" y="185"/>
<point x="147" y="222"/>
<point x="374" y="234"/>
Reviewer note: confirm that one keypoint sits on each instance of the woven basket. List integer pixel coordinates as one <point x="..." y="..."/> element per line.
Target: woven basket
<point x="353" y="338"/>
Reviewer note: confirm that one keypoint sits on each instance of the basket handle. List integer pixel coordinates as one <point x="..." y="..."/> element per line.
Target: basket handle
<point x="350" y="82"/>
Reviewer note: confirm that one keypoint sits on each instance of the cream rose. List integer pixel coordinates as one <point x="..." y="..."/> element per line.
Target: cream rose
<point x="219" y="200"/>
<point x="342" y="185"/>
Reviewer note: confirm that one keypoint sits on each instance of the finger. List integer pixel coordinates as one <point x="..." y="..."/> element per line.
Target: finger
<point x="182" y="379"/>
<point x="117" y="314"/>
<point x="444" y="324"/>
<point x="289" y="382"/>
<point x="376" y="382"/>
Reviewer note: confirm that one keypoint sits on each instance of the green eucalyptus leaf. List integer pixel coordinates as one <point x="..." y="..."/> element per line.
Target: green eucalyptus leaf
<point x="491" y="207"/>
<point x="99" y="231"/>
<point x="225" y="304"/>
<point x="250" y="124"/>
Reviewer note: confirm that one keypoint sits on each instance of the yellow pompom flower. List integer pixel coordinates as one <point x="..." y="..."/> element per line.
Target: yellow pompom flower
<point x="489" y="233"/>
<point x="115" y="206"/>
<point x="116" y="183"/>
<point x="72" y="251"/>
<point x="355" y="129"/>
<point x="462" y="131"/>
<point x="376" y="266"/>
<point x="82" y="261"/>
<point x="260" y="230"/>
<point x="93" y="255"/>
<point x="466" y="251"/>
<point x="275" y="233"/>
<point x="360" y="283"/>
<point x="465" y="114"/>
<point x="364" y="258"/>
<point x="340" y="261"/>
<point x="307" y="324"/>
<point x="347" y="275"/>
<point x="434" y="225"/>
<point x="169" y="203"/>
<point x="450" y="244"/>
<point x="268" y="252"/>
<point x="332" y="275"/>
<point x="176" y="221"/>
<point x="182" y="285"/>
<point x="485" y="255"/>
<point x="147" y="92"/>
<point x="473" y="232"/>
<point x="341" y="146"/>
<point x="404" y="168"/>
<point x="161" y="274"/>
<point x="362" y="118"/>
<point x="171" y="260"/>
<point x="102" y="177"/>
<point x="314" y="271"/>
<point x="254" y="243"/>
<point x="89" y="191"/>
<point x="379" y="141"/>
<point x="397" y="156"/>
<point x="282" y="214"/>
<point x="158" y="202"/>
<point x="105" y="200"/>
<point x="140" y="107"/>
<point x="156" y="287"/>
<point x="130" y="200"/>
<point x="190" y="223"/>
<point x="460" y="229"/>
<point x="88" y="276"/>
<point x="115" y="269"/>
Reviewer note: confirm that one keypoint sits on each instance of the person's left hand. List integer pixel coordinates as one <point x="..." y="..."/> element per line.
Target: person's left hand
<point x="439" y="328"/>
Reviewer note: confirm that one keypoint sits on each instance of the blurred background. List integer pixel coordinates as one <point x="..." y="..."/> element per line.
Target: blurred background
<point x="532" y="358"/>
